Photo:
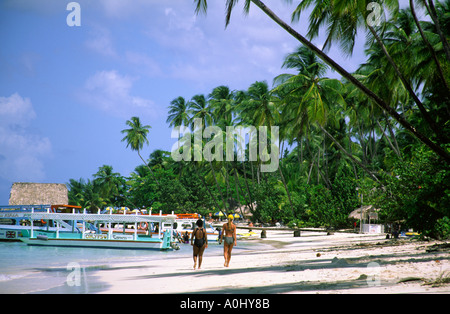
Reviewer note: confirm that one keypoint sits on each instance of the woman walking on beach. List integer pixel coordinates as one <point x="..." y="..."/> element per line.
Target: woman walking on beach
<point x="199" y="241"/>
<point x="229" y="233"/>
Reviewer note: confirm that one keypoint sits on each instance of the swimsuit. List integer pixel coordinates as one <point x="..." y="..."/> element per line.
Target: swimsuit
<point x="229" y="240"/>
<point x="198" y="242"/>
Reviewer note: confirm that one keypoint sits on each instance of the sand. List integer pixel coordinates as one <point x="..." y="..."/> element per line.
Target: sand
<point x="312" y="263"/>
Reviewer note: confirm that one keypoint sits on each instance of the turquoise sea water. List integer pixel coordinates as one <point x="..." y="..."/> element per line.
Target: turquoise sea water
<point x="33" y="269"/>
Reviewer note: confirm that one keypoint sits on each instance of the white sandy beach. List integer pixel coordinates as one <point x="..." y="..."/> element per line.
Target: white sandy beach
<point x="313" y="263"/>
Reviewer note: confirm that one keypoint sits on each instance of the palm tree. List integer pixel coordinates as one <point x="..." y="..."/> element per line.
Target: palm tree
<point x="200" y="109"/>
<point x="178" y="112"/>
<point x="108" y="182"/>
<point x="436" y="20"/>
<point x="159" y="159"/>
<point x="221" y="101"/>
<point x="259" y="108"/>
<point x="91" y="198"/>
<point x="428" y="44"/>
<point x="343" y="19"/>
<point x="76" y="189"/>
<point x="201" y="6"/>
<point x="136" y="137"/>
<point x="308" y="95"/>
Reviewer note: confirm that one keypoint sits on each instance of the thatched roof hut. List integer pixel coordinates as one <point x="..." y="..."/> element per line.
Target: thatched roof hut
<point x="38" y="194"/>
<point x="366" y="212"/>
<point x="245" y="211"/>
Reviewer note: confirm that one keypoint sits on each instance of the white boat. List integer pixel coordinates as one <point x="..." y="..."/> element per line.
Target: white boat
<point x="13" y="220"/>
<point x="88" y="238"/>
<point x="187" y="223"/>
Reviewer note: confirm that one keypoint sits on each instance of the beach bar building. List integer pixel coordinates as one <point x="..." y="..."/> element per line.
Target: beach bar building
<point x="38" y="194"/>
<point x="367" y="214"/>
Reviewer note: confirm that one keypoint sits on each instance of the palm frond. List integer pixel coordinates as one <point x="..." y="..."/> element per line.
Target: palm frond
<point x="201" y="6"/>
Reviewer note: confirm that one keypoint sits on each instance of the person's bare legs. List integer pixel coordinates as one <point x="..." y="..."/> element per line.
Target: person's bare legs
<point x="227" y="253"/>
<point x="196" y="252"/>
<point x="200" y="255"/>
<point x="230" y="247"/>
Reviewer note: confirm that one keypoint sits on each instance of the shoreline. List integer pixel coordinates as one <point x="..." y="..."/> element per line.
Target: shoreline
<point x="312" y="263"/>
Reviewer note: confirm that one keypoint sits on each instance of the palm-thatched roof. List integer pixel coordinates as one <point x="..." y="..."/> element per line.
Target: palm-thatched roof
<point x="38" y="194"/>
<point x="245" y="210"/>
<point x="366" y="211"/>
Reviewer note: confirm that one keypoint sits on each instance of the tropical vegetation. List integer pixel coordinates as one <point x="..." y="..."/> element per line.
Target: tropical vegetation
<point x="378" y="136"/>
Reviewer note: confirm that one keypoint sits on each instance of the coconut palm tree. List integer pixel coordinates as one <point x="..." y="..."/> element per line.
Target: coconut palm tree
<point x="108" y="182"/>
<point x="201" y="6"/>
<point x="76" y="189"/>
<point x="428" y="44"/>
<point x="200" y="109"/>
<point x="436" y="18"/>
<point x="259" y="108"/>
<point x="344" y="18"/>
<point x="178" y="112"/>
<point x="308" y="96"/>
<point x="221" y="100"/>
<point x="136" y="137"/>
<point x="91" y="198"/>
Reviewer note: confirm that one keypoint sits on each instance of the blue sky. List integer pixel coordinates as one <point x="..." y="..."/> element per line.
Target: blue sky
<point x="66" y="92"/>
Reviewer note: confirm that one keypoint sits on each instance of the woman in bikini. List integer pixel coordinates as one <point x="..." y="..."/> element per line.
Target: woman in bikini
<point x="229" y="233"/>
<point x="199" y="241"/>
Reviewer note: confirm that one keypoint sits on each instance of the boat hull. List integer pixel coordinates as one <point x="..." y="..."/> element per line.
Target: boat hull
<point x="88" y="243"/>
<point x="13" y="233"/>
<point x="89" y="240"/>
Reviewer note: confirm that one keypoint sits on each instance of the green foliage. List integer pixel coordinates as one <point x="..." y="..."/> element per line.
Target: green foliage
<point x="442" y="228"/>
<point x="417" y="193"/>
<point x="270" y="196"/>
<point x="345" y="198"/>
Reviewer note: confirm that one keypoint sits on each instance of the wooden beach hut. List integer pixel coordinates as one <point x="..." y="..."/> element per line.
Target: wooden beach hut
<point x="38" y="194"/>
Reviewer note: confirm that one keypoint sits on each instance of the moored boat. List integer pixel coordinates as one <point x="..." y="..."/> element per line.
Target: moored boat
<point x="95" y="239"/>
<point x="185" y="223"/>
<point x="14" y="220"/>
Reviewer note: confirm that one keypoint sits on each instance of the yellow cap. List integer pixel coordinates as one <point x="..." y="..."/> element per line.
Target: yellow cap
<point x="230" y="216"/>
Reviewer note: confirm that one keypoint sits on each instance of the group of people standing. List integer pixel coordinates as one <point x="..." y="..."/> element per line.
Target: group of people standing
<point x="199" y="241"/>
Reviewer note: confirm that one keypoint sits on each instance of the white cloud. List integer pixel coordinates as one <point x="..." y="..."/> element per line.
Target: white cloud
<point x="17" y="109"/>
<point x="22" y="153"/>
<point x="196" y="49"/>
<point x="110" y="92"/>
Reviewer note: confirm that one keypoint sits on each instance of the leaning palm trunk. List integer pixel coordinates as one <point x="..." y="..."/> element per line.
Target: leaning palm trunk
<point x="427" y="43"/>
<point x="380" y="102"/>
<point x="201" y="5"/>
<point x="433" y="14"/>
<point x="151" y="171"/>
<point x="408" y="87"/>
<point x="395" y="149"/>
